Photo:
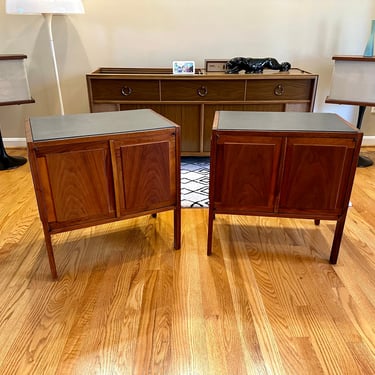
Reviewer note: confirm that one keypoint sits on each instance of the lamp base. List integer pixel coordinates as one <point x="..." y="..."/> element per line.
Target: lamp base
<point x="9" y="162"/>
<point x="364" y="161"/>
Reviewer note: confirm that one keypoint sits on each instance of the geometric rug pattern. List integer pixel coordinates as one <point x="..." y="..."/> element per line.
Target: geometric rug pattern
<point x="195" y="177"/>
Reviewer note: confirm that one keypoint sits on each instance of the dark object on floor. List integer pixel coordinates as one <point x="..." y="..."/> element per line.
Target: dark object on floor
<point x="255" y="65"/>
<point x="9" y="162"/>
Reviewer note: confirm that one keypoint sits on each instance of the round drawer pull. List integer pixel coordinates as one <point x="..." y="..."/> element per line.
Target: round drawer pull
<point x="126" y="91"/>
<point x="202" y="91"/>
<point x="279" y="90"/>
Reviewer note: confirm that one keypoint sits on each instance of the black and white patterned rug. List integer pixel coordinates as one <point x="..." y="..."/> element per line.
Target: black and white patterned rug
<point x="195" y="175"/>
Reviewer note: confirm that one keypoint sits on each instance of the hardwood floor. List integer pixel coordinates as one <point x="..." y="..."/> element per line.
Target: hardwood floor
<point x="266" y="302"/>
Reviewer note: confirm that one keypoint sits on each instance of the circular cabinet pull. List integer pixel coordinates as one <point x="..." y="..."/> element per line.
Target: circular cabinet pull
<point x="202" y="91"/>
<point x="126" y="91"/>
<point x="279" y="90"/>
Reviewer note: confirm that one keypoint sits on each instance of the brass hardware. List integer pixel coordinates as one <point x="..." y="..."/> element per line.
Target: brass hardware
<point x="126" y="91"/>
<point x="202" y="91"/>
<point x="279" y="90"/>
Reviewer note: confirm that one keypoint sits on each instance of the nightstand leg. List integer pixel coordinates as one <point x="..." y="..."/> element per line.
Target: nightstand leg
<point x="177" y="228"/>
<point x="337" y="240"/>
<point x="51" y="258"/>
<point x="211" y="216"/>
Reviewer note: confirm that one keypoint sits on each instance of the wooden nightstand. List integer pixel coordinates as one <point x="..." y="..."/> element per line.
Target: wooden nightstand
<point x="91" y="169"/>
<point x="298" y="165"/>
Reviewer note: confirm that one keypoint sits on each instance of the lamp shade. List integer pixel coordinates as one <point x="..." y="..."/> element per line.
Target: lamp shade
<point x="353" y="81"/>
<point x="14" y="85"/>
<point x="44" y="6"/>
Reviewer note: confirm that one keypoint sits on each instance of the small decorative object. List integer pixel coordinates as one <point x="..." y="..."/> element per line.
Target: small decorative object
<point x="369" y="50"/>
<point x="216" y="65"/>
<point x="255" y="65"/>
<point x="183" y="67"/>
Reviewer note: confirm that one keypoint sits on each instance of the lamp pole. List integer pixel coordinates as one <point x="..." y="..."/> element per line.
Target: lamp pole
<point x="48" y="17"/>
<point x="47" y="8"/>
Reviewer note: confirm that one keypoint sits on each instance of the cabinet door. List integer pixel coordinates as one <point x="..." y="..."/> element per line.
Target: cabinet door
<point x="145" y="172"/>
<point x="186" y="115"/>
<point x="316" y="175"/>
<point x="246" y="173"/>
<point x="76" y="183"/>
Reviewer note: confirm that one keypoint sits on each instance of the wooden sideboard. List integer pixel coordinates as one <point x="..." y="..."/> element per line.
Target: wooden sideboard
<point x="191" y="100"/>
<point x="298" y="165"/>
<point x="91" y="169"/>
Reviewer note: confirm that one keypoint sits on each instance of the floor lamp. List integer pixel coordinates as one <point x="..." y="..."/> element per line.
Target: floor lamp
<point x="48" y="8"/>
<point x="353" y="83"/>
<point x="14" y="89"/>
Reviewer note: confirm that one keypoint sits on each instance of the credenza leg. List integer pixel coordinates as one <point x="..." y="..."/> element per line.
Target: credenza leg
<point x="317" y="221"/>
<point x="337" y="239"/>
<point x="51" y="257"/>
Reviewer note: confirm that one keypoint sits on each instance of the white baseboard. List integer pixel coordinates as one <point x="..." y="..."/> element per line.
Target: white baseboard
<point x="14" y="142"/>
<point x="368" y="140"/>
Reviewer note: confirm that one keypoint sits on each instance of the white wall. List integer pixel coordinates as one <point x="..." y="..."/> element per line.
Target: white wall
<point x="152" y="33"/>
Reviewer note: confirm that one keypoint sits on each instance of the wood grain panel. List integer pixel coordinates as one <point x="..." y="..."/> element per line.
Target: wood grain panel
<point x="147" y="176"/>
<point x="122" y="89"/>
<point x="202" y="90"/>
<point x="187" y="116"/>
<point x="322" y="187"/>
<point x="248" y="173"/>
<point x="279" y="89"/>
<point x="75" y="195"/>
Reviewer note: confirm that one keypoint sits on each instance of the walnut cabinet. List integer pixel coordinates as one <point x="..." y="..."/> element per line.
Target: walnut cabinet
<point x="96" y="168"/>
<point x="298" y="165"/>
<point x="192" y="100"/>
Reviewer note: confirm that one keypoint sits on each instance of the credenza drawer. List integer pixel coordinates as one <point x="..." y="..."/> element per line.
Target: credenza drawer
<point x="186" y="90"/>
<point x="292" y="89"/>
<point x="122" y="89"/>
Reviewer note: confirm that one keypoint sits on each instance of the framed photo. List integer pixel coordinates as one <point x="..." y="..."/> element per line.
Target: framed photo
<point x="183" y="67"/>
<point x="216" y="65"/>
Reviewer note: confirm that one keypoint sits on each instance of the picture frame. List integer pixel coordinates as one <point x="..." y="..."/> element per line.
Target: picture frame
<point x="215" y="65"/>
<point x="183" y="67"/>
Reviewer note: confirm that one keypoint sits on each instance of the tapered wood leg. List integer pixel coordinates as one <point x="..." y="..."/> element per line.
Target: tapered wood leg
<point x="337" y="240"/>
<point x="177" y="228"/>
<point x="211" y="216"/>
<point x="51" y="257"/>
<point x="316" y="221"/>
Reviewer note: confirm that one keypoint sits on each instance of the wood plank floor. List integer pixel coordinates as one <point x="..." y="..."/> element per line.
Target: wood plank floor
<point x="266" y="302"/>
